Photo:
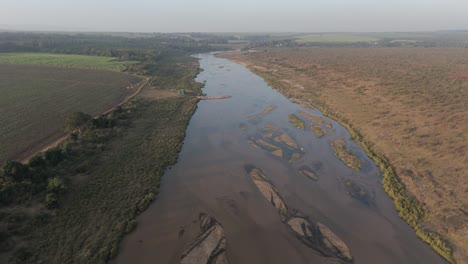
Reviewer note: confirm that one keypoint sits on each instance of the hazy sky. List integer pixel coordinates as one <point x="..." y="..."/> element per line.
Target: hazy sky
<point x="235" y="16"/>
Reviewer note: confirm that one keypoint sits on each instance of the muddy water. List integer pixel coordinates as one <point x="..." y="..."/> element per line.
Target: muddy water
<point x="210" y="177"/>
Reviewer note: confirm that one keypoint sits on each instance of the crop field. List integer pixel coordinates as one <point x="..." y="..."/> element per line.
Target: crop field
<point x="111" y="170"/>
<point x="35" y="99"/>
<point x="335" y="38"/>
<point x="408" y="107"/>
<point x="64" y="60"/>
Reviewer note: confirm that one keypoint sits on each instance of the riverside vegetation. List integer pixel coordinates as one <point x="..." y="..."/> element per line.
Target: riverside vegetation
<point x="421" y="153"/>
<point x="75" y="201"/>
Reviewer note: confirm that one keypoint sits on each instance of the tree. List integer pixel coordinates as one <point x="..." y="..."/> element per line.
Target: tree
<point x="51" y="200"/>
<point x="54" y="156"/>
<point x="55" y="185"/>
<point x="76" y="121"/>
<point x="16" y="171"/>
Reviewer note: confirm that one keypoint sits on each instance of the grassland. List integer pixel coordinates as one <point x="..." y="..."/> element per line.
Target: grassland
<point x="408" y="109"/>
<point x="111" y="172"/>
<point x="65" y="60"/>
<point x="35" y="99"/>
<point x="334" y="38"/>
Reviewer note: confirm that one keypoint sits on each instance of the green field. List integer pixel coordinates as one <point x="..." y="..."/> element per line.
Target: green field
<point x="35" y="99"/>
<point x="111" y="172"/>
<point x="64" y="60"/>
<point x="335" y="38"/>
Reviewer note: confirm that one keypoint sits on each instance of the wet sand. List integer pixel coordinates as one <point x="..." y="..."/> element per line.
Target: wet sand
<point x="210" y="178"/>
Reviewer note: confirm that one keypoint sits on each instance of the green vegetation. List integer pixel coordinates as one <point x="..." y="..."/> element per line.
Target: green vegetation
<point x="348" y="157"/>
<point x="113" y="173"/>
<point x="335" y="38"/>
<point x="65" y="60"/>
<point x="75" y="121"/>
<point x="30" y="121"/>
<point x="296" y="121"/>
<point x="75" y="202"/>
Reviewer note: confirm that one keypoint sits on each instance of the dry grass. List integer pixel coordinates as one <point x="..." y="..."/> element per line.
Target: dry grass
<point x="408" y="104"/>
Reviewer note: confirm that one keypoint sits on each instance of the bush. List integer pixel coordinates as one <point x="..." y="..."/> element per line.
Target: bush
<point x="37" y="161"/>
<point x="54" y="156"/>
<point x="145" y="202"/>
<point x="15" y="171"/>
<point x="51" y="200"/>
<point x="6" y="194"/>
<point x="21" y="255"/>
<point x="75" y="121"/>
<point x="55" y="185"/>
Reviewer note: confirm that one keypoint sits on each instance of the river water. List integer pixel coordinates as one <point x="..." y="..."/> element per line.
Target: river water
<point x="210" y="177"/>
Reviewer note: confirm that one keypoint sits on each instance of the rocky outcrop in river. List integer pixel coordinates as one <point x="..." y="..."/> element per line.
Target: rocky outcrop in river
<point x="278" y="143"/>
<point x="209" y="247"/>
<point x="315" y="235"/>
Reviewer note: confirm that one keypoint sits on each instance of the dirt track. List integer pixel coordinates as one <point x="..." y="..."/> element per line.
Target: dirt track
<point x="57" y="137"/>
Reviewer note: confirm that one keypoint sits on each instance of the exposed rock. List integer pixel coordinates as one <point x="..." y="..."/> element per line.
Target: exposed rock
<point x="263" y="113"/>
<point x="359" y="192"/>
<point x="334" y="244"/>
<point x="308" y="172"/>
<point x="346" y="155"/>
<point x="320" y="238"/>
<point x="317" y="236"/>
<point x="277" y="153"/>
<point x="295" y="157"/>
<point x="268" y="191"/>
<point x="302" y="227"/>
<point x="268" y="131"/>
<point x="209" y="247"/>
<point x="318" y="130"/>
<point x="286" y="139"/>
<point x="265" y="145"/>
<point x="279" y="144"/>
<point x="312" y="118"/>
<point x="296" y="121"/>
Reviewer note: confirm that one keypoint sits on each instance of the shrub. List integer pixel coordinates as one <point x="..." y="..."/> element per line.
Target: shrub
<point x="15" y="171"/>
<point x="54" y="156"/>
<point x="37" y="161"/>
<point x="55" y="185"/>
<point x="75" y="121"/>
<point x="51" y="200"/>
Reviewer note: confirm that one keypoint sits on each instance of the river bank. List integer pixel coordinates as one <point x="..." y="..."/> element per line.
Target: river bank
<point x="287" y="80"/>
<point x="316" y="188"/>
<point x="103" y="177"/>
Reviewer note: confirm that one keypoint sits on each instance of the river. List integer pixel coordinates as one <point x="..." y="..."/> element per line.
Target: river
<point x="210" y="177"/>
